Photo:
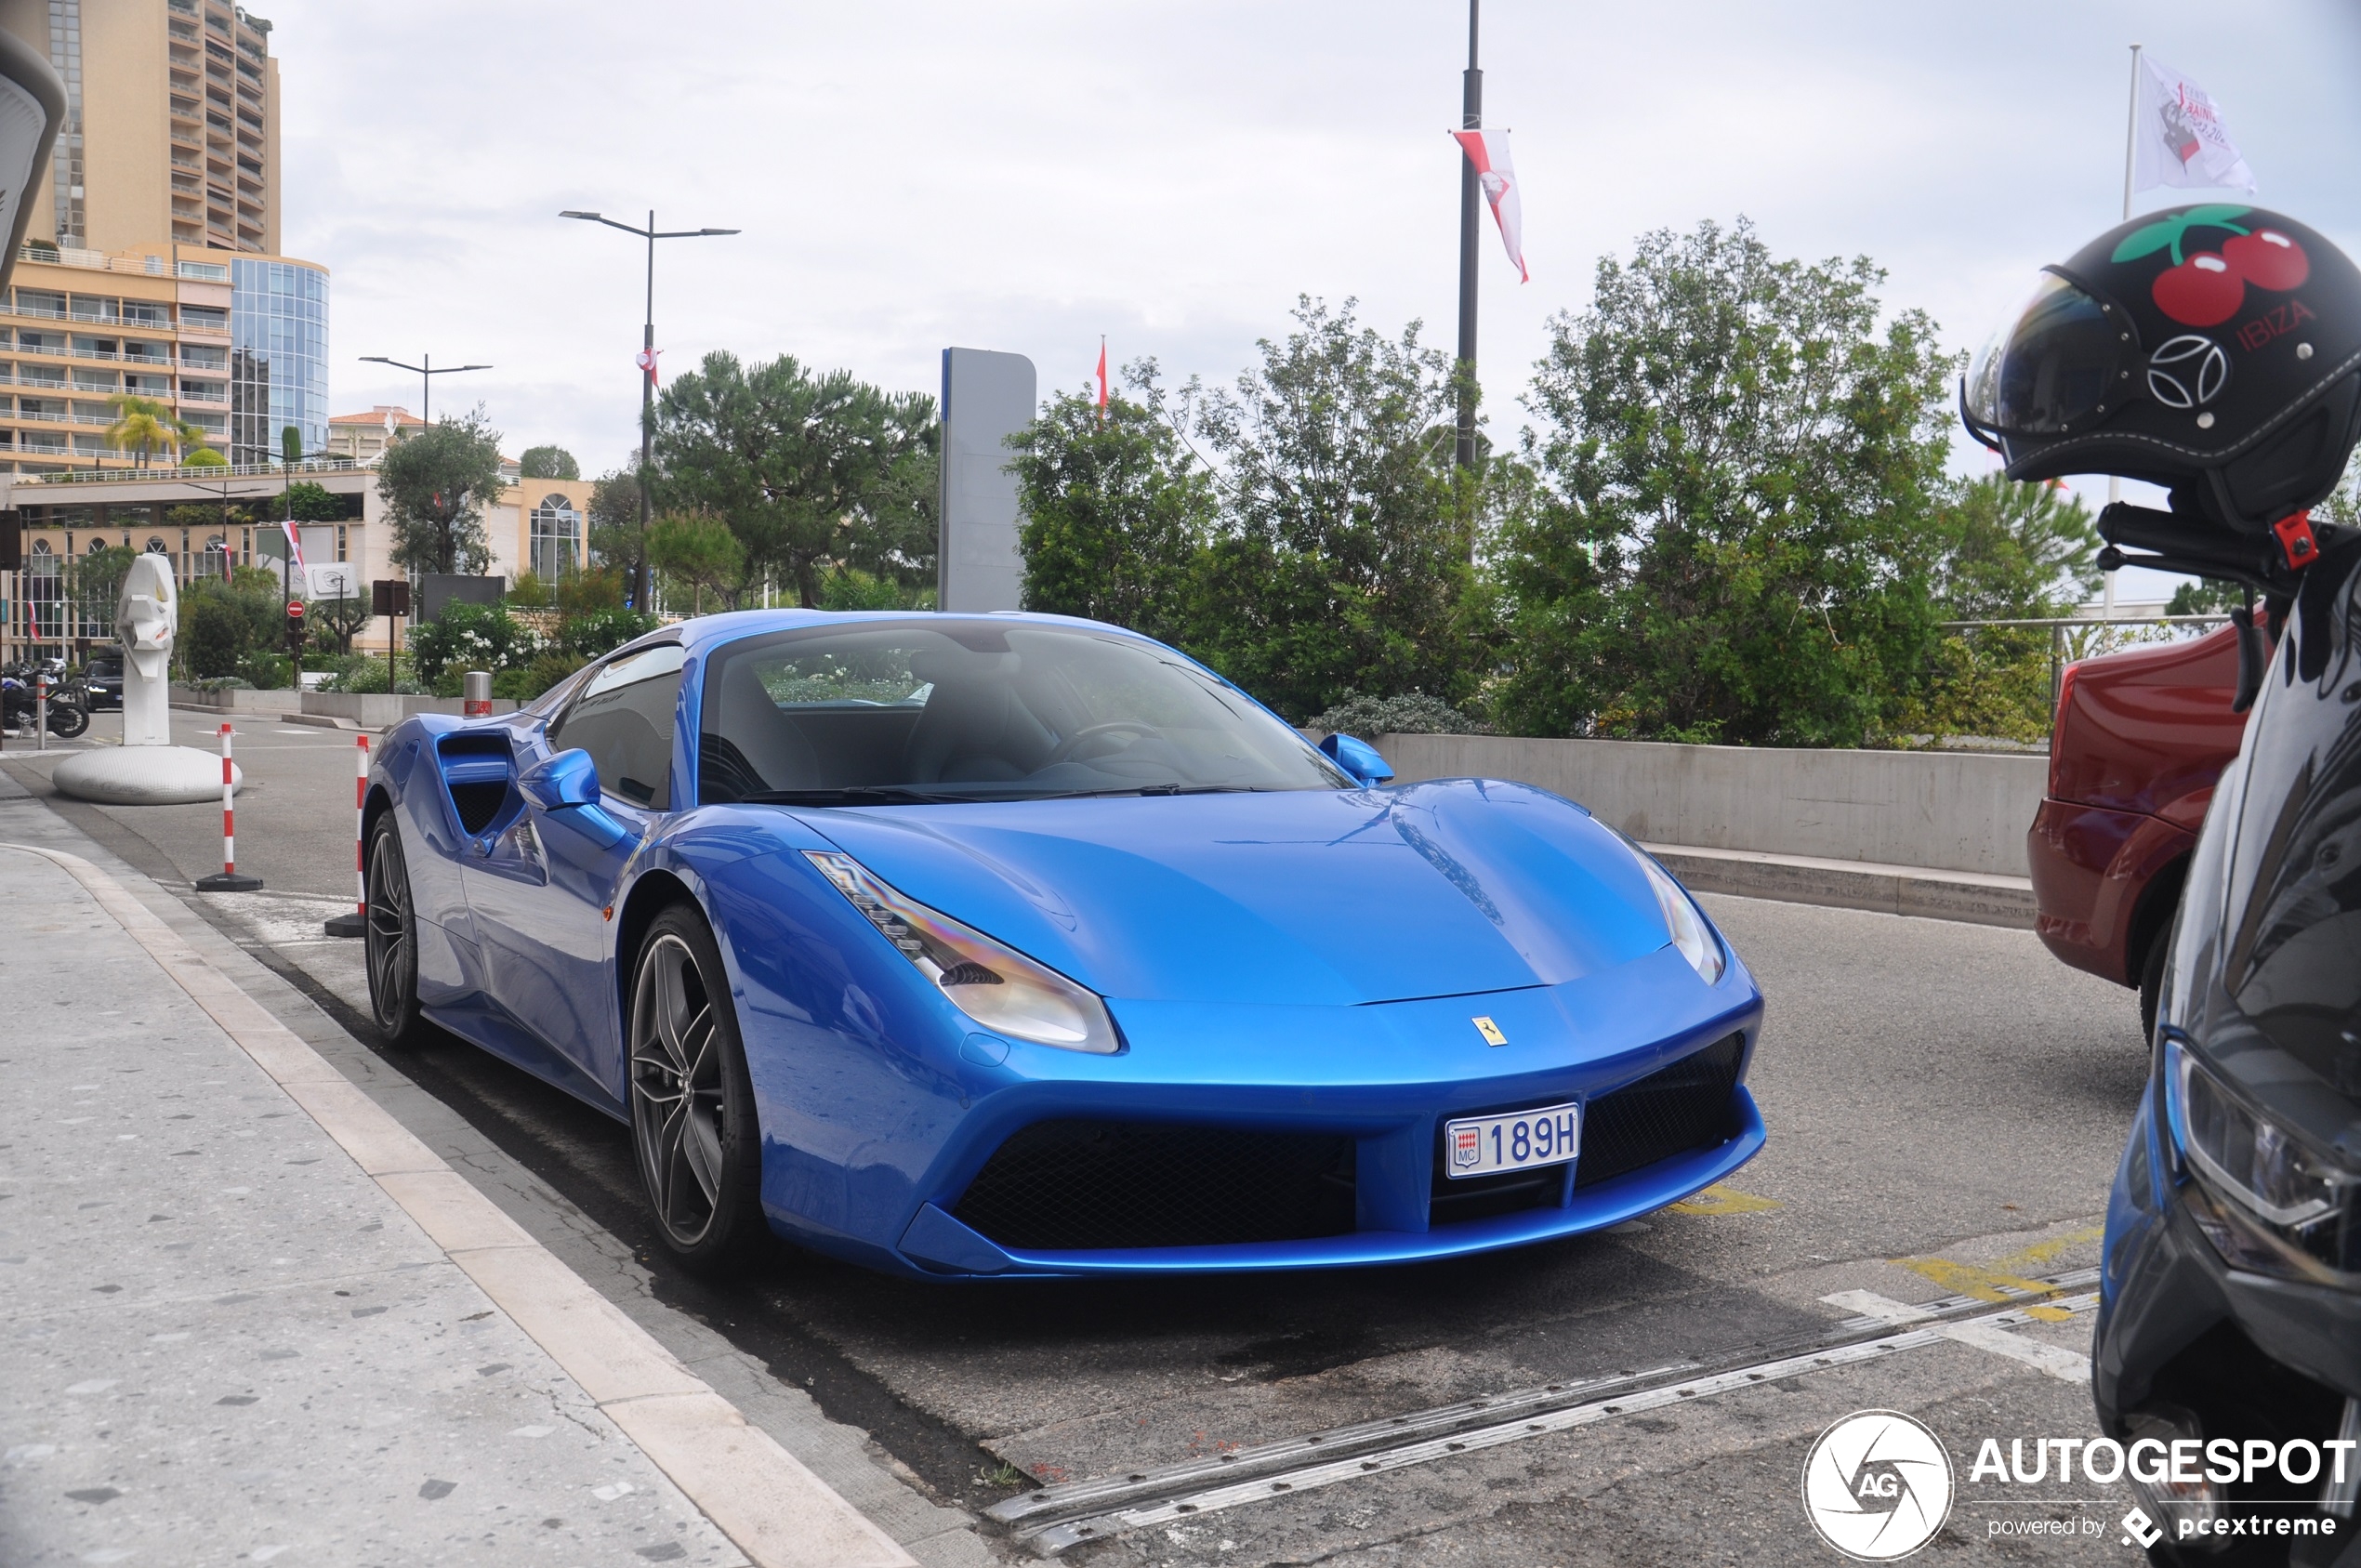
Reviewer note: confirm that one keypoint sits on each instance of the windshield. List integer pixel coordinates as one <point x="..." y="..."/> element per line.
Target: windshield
<point x="949" y="709"/>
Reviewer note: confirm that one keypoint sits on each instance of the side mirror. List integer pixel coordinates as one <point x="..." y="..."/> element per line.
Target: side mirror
<point x="1358" y="757"/>
<point x="569" y="779"/>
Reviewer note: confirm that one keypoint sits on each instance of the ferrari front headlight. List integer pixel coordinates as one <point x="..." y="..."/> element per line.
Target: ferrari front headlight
<point x="1689" y="934"/>
<point x="992" y="982"/>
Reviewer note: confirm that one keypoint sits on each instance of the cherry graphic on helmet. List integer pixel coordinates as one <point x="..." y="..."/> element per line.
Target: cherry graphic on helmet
<point x="2206" y="288"/>
<point x="2268" y="259"/>
<point x="2202" y="290"/>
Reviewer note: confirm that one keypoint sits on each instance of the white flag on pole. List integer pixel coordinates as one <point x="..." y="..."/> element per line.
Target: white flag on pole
<point x="2177" y="134"/>
<point x="1488" y="151"/>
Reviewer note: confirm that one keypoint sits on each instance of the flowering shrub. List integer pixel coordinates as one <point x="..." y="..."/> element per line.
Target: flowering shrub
<point x="468" y="637"/>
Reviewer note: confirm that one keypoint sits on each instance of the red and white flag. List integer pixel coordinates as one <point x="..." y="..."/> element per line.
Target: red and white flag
<point x="646" y="360"/>
<point x="2177" y="134"/>
<point x="1102" y="379"/>
<point x="294" y="548"/>
<point x="1488" y="151"/>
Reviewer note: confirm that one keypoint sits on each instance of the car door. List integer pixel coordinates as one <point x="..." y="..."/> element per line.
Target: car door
<point x="542" y="890"/>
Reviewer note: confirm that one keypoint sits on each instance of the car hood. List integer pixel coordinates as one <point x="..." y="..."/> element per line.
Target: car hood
<point x="1309" y="897"/>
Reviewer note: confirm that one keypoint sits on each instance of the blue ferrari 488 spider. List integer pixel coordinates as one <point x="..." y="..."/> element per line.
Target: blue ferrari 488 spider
<point x="1011" y="945"/>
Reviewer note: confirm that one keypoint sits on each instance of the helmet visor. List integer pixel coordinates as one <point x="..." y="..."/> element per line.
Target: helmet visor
<point x="2056" y="364"/>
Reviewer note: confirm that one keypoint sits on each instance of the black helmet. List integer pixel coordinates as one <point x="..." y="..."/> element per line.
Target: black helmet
<point x="2212" y="350"/>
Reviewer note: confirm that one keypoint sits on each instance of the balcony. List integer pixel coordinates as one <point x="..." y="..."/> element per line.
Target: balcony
<point x="204" y="394"/>
<point x="96" y="354"/>
<point x="39" y="415"/>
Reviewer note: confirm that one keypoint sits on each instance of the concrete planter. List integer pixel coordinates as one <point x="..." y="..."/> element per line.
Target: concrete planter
<point x="1941" y="811"/>
<point x="237" y="701"/>
<point x="379" y="710"/>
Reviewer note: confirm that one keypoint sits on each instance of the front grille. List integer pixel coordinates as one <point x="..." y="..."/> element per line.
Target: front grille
<point x="1481" y="1197"/>
<point x="1075" y="1186"/>
<point x="1691" y="1104"/>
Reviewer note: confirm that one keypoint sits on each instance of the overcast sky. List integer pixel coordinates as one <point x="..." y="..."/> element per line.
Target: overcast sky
<point x="1025" y="177"/>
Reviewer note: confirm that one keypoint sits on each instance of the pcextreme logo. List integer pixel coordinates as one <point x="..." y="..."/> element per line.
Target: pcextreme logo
<point x="1877" y="1485"/>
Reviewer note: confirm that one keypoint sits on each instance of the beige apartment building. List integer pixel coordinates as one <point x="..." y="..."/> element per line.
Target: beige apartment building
<point x="192" y="518"/>
<point x="172" y="124"/>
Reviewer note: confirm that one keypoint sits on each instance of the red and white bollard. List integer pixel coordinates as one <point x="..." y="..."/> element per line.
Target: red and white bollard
<point x="475" y="699"/>
<point x="40" y="710"/>
<point x="229" y="879"/>
<point x="356" y="923"/>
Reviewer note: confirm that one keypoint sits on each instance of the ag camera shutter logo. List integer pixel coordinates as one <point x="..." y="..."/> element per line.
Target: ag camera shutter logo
<point x="1877" y="1485"/>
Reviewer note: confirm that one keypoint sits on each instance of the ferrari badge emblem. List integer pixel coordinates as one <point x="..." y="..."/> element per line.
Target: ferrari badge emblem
<point x="1467" y="1146"/>
<point x="1491" y="1032"/>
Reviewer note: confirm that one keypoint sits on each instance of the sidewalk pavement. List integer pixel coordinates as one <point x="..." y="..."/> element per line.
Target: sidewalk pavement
<point x="245" y="1315"/>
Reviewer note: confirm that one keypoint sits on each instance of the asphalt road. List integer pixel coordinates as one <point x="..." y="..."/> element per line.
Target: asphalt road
<point x="1945" y="1103"/>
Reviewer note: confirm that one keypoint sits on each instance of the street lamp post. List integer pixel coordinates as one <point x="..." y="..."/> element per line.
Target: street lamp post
<point x="648" y="375"/>
<point x="1470" y="206"/>
<point x="425" y="373"/>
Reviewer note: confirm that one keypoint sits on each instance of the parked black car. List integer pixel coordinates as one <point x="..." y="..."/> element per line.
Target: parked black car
<point x="103" y="681"/>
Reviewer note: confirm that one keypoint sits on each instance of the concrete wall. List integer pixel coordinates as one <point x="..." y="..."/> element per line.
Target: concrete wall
<point x="377" y="710"/>
<point x="1941" y="811"/>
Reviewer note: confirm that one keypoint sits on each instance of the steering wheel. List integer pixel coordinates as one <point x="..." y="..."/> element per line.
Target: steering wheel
<point x="1072" y="743"/>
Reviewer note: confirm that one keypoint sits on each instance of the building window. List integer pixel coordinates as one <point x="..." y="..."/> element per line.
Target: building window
<point x="556" y="538"/>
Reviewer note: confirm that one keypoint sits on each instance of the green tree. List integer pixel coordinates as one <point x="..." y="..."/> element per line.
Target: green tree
<point x="333" y="623"/>
<point x="1740" y="462"/>
<point x="203" y="457"/>
<point x="1116" y="514"/>
<point x="98" y="581"/>
<point x="307" y="502"/>
<point x="808" y="472"/>
<point x="2205" y="596"/>
<point x="548" y="462"/>
<point x="2012" y="551"/>
<point x="435" y="485"/>
<point x="701" y="555"/>
<point x="1343" y="562"/>
<point x="616" y="538"/>
<point x="144" y="425"/>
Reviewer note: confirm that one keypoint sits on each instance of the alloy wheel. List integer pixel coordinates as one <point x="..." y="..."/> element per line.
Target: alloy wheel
<point x="386" y="935"/>
<point x="678" y="1116"/>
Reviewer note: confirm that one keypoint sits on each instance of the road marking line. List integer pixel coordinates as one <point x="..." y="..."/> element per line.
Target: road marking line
<point x="773" y="1507"/>
<point x="1719" y="1199"/>
<point x="1882" y="1309"/>
<point x="2067" y="1366"/>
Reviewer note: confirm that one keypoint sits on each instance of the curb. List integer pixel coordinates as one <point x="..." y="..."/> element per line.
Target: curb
<point x="1974" y="898"/>
<point x="773" y="1508"/>
<point x="319" y="720"/>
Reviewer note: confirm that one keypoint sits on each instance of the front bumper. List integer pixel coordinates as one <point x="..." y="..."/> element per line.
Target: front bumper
<point x="1382" y="1078"/>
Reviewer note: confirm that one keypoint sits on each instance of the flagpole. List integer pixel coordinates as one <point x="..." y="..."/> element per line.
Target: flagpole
<point x="1470" y="191"/>
<point x="2130" y="133"/>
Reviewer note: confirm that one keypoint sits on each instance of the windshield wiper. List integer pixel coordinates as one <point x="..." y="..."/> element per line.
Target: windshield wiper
<point x="851" y="795"/>
<point x="1155" y="789"/>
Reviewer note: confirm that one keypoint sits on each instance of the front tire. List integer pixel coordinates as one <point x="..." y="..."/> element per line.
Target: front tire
<point x="693" y="1119"/>
<point x="389" y="938"/>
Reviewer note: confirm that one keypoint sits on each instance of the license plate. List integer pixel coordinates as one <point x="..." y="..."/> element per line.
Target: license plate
<point x="1549" y="1134"/>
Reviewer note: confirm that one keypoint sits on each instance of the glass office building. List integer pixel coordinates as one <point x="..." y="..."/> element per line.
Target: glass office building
<point x="278" y="357"/>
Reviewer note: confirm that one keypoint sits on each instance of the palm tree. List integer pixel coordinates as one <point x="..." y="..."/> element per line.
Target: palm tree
<point x="146" y="424"/>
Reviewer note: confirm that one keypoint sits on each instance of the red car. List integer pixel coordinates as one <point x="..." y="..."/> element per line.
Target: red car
<point x="2141" y="737"/>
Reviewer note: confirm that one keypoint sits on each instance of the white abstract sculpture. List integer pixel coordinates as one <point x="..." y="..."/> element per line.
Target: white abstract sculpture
<point x="147" y="769"/>
<point x="145" y="618"/>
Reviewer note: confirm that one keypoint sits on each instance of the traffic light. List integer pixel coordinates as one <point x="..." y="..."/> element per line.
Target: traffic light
<point x="295" y="625"/>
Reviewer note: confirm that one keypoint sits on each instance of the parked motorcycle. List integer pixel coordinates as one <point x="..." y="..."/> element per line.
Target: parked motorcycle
<point x="20" y="702"/>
